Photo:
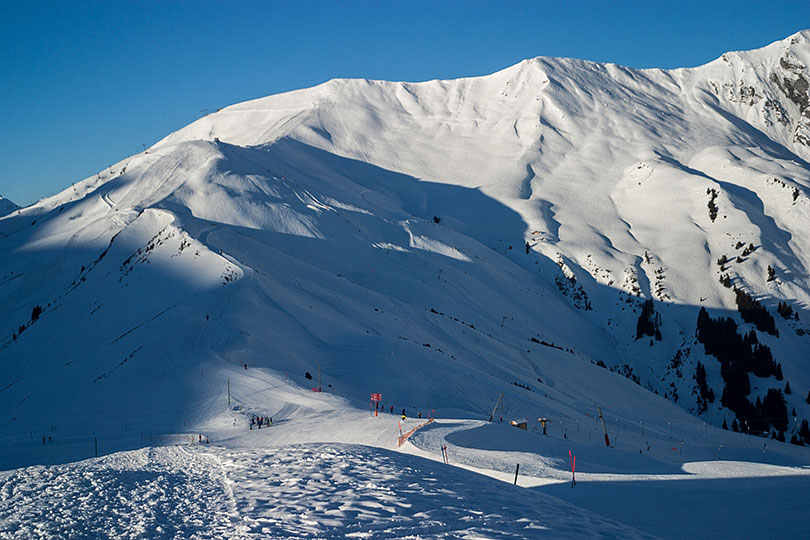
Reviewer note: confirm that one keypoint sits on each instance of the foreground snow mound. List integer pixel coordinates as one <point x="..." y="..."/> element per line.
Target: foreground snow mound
<point x="299" y="491"/>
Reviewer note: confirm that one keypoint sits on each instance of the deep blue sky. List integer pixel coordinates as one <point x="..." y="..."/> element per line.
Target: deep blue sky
<point x="84" y="84"/>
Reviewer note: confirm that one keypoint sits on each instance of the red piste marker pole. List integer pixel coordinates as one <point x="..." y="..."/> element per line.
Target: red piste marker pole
<point x="573" y="459"/>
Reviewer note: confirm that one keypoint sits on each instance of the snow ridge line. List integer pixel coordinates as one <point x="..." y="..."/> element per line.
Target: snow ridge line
<point x="402" y="438"/>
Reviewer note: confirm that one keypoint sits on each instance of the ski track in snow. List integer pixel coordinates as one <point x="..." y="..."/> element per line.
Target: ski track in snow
<point x="298" y="491"/>
<point x="151" y="493"/>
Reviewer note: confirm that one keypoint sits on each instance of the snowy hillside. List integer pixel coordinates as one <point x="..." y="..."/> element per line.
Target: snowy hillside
<point x="441" y="243"/>
<point x="6" y="206"/>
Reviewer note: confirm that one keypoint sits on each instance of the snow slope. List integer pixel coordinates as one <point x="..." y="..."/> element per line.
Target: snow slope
<point x="302" y="478"/>
<point x="319" y="490"/>
<point x="441" y="243"/>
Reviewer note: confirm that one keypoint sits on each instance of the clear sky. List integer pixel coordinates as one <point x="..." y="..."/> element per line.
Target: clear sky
<point x="84" y="84"/>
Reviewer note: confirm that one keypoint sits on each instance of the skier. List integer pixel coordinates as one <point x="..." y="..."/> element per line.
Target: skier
<point x="403" y="414"/>
<point x="419" y="414"/>
<point x="392" y="409"/>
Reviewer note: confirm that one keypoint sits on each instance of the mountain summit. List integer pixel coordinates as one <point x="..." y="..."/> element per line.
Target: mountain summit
<point x="433" y="241"/>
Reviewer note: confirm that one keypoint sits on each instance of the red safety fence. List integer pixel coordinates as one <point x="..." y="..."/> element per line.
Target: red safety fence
<point x="402" y="438"/>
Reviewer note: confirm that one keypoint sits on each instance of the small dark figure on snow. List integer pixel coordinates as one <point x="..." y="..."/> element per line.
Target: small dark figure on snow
<point x="419" y="414"/>
<point x="392" y="409"/>
<point x="403" y="414"/>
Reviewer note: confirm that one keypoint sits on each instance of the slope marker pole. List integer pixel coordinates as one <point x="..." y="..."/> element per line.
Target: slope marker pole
<point x="573" y="460"/>
<point x="604" y="428"/>
<point x="495" y="408"/>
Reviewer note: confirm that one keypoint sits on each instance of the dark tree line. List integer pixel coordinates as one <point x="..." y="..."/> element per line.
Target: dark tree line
<point x="712" y="193"/>
<point x="786" y="311"/>
<point x="752" y="311"/>
<point x="738" y="356"/>
<point x="649" y="322"/>
<point x="705" y="394"/>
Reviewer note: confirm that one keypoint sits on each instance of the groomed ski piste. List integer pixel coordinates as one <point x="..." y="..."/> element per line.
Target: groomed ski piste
<point x="442" y="244"/>
<point x="325" y="468"/>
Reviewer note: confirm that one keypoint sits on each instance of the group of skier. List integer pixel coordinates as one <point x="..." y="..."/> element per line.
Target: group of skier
<point x="381" y="408"/>
<point x="260" y="421"/>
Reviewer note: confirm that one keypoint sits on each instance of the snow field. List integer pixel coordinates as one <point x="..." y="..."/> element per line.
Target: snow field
<point x="168" y="492"/>
<point x="298" y="491"/>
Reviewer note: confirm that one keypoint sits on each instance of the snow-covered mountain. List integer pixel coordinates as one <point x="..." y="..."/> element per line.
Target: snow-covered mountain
<point x="353" y="223"/>
<point x="441" y="243"/>
<point x="6" y="206"/>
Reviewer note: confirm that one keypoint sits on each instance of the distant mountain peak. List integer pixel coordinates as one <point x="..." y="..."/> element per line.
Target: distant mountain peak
<point x="6" y="206"/>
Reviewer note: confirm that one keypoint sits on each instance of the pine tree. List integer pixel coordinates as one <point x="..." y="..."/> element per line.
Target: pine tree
<point x="804" y="431"/>
<point x="648" y="321"/>
<point x="787" y="388"/>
